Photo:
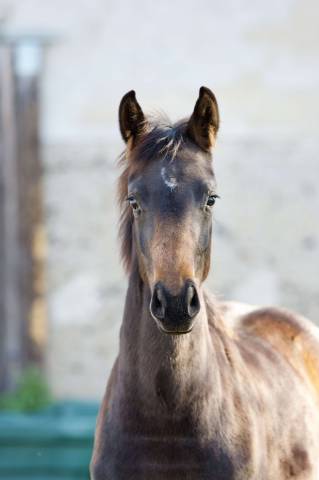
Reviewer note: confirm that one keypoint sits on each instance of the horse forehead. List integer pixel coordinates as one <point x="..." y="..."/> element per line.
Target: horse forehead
<point x="170" y="176"/>
<point x="165" y="182"/>
<point x="172" y="190"/>
<point x="173" y="199"/>
<point x="178" y="174"/>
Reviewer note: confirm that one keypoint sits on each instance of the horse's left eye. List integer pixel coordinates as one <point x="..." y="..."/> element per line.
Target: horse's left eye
<point x="211" y="199"/>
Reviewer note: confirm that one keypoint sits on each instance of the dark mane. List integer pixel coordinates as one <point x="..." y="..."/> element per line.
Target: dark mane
<point x="161" y="140"/>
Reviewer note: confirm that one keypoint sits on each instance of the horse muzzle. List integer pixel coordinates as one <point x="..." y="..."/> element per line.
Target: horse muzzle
<point x="175" y="314"/>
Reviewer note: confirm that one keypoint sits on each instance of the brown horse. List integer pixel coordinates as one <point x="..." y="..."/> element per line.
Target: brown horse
<point x="200" y="390"/>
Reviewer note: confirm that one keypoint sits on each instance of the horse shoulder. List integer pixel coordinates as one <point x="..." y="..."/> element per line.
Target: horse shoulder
<point x="294" y="336"/>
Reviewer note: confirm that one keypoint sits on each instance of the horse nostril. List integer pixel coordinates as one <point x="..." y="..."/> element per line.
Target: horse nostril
<point x="192" y="301"/>
<point x="158" y="303"/>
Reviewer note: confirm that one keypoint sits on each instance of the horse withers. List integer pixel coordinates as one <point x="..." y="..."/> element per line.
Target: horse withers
<point x="200" y="389"/>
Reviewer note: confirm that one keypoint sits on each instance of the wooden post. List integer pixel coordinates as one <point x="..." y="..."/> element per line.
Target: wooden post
<point x="27" y="68"/>
<point x="12" y="353"/>
<point x="21" y="267"/>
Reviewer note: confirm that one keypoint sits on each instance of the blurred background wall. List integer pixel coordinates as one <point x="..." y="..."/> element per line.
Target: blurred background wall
<point x="261" y="60"/>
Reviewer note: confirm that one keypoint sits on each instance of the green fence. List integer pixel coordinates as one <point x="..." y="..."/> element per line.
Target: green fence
<point x="55" y="444"/>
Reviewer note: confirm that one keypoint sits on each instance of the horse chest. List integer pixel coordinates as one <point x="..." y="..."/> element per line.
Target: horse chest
<point x="145" y="453"/>
<point x="165" y="444"/>
<point x="145" y="457"/>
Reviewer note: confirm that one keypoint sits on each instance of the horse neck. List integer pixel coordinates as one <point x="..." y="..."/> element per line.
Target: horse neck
<point x="154" y="361"/>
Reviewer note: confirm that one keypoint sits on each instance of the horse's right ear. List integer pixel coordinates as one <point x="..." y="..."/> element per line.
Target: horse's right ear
<point x="131" y="118"/>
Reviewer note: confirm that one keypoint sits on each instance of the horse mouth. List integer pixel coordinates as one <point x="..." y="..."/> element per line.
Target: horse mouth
<point x="177" y="331"/>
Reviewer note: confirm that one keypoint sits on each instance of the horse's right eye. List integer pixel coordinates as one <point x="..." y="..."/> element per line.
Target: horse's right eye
<point x="133" y="202"/>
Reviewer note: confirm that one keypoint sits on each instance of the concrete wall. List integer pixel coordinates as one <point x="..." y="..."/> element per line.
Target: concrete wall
<point x="261" y="59"/>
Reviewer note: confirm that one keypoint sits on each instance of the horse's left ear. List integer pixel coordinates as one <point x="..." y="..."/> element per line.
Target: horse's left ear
<point x="131" y="117"/>
<point x="204" y="123"/>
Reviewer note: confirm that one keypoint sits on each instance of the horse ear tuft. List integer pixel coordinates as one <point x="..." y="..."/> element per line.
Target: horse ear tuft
<point x="131" y="117"/>
<point x="203" y="125"/>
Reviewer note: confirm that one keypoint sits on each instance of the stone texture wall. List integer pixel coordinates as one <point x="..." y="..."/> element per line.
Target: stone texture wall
<point x="261" y="59"/>
<point x="265" y="245"/>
